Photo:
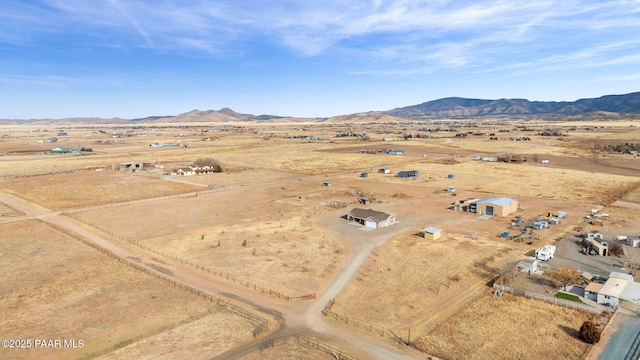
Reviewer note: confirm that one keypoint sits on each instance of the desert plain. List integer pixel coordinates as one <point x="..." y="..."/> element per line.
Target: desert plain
<point x="259" y="260"/>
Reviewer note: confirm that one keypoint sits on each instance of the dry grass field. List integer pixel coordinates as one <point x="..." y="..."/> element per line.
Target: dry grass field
<point x="266" y="220"/>
<point x="283" y="245"/>
<point x="85" y="188"/>
<point x="508" y="327"/>
<point x="201" y="339"/>
<point x="412" y="283"/>
<point x="58" y="288"/>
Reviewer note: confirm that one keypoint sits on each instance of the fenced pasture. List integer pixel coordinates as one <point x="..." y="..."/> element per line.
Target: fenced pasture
<point x="508" y="327"/>
<point x="425" y="281"/>
<point x="60" y="283"/>
<point x="84" y="188"/>
<point x="267" y="245"/>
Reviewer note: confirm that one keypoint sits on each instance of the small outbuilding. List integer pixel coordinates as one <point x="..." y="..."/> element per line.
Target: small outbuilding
<point x="451" y="189"/>
<point x="408" y="174"/>
<point x="384" y="170"/>
<point x="530" y="265"/>
<point x="431" y="233"/>
<point x="364" y="175"/>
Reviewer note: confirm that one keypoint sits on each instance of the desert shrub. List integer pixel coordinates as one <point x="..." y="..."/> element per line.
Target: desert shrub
<point x="589" y="332"/>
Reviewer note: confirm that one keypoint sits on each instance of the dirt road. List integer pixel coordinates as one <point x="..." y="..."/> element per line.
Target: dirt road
<point x="285" y="318"/>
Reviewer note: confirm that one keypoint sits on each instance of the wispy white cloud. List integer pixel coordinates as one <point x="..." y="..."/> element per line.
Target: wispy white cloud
<point x="135" y="23"/>
<point x="419" y="34"/>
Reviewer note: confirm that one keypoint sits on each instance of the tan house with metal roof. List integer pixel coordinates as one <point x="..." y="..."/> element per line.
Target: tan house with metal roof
<point x="371" y="218"/>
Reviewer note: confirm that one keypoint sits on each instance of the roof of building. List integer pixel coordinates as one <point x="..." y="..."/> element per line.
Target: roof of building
<point x="615" y="274"/>
<point x="529" y="261"/>
<point x="410" y="172"/>
<point x="594" y="287"/>
<point x="631" y="292"/>
<point x="369" y="213"/>
<point x="614" y="286"/>
<point x="496" y="201"/>
<point x="432" y="230"/>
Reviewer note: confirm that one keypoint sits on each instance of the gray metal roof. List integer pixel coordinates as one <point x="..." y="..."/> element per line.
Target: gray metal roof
<point x="496" y="201"/>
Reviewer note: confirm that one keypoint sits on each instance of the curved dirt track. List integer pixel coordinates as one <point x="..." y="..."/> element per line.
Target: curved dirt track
<point x="285" y="318"/>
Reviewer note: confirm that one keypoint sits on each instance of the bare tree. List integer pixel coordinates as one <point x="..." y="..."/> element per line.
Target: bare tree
<point x="210" y="162"/>
<point x="564" y="276"/>
<point x="616" y="248"/>
<point x="508" y="272"/>
<point x="206" y="162"/>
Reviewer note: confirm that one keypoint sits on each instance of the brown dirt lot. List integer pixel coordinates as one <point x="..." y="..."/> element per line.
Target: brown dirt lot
<point x="508" y="327"/>
<point x="62" y="289"/>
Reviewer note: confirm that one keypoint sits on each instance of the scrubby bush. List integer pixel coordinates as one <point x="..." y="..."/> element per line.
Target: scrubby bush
<point x="589" y="332"/>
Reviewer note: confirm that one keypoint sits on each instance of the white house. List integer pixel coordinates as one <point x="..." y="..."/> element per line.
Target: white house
<point x="612" y="290"/>
<point x="186" y="171"/>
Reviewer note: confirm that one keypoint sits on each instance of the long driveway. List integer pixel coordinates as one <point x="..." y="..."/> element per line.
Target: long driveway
<point x="287" y="318"/>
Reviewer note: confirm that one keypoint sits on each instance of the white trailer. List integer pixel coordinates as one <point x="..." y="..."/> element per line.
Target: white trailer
<point x="546" y="252"/>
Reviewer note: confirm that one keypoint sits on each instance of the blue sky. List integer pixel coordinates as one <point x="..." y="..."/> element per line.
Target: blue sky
<point x="306" y="58"/>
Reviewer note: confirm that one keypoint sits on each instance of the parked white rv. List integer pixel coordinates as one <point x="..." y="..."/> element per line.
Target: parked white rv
<point x="546" y="252"/>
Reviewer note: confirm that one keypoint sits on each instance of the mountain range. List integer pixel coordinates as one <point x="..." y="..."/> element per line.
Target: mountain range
<point x="452" y="107"/>
<point x="456" y="107"/>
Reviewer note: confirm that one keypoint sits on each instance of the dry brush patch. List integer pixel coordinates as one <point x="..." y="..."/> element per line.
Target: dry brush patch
<point x="508" y="327"/>
<point x="412" y="283"/>
<point x="58" y="288"/>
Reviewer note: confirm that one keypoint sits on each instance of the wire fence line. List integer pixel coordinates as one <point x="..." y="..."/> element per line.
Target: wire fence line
<point x="12" y="213"/>
<point x="222" y="274"/>
<point x="307" y="341"/>
<point x="260" y="322"/>
<point x="385" y="333"/>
